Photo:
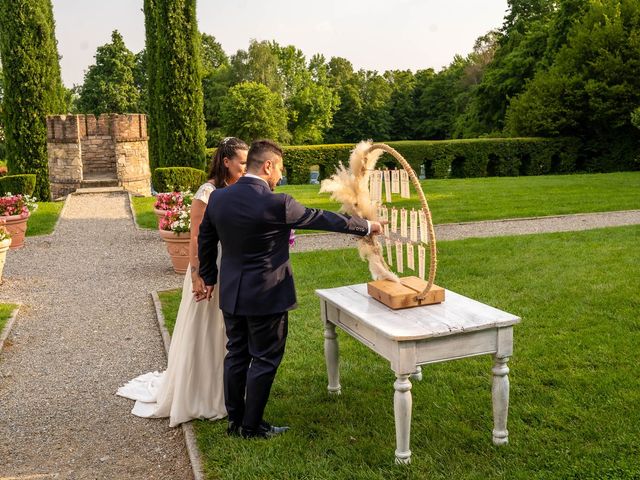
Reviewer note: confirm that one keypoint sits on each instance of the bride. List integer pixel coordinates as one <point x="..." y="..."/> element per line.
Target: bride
<point x="191" y="386"/>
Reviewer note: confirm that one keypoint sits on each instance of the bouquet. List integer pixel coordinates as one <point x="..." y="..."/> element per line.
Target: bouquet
<point x="173" y="200"/>
<point x="18" y="204"/>
<point x="177" y="220"/>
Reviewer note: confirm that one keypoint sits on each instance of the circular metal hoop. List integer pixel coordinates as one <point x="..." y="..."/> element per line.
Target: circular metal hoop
<point x="433" y="263"/>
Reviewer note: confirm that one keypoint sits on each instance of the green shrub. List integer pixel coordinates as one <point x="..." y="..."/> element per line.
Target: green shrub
<point x="24" y="184"/>
<point x="32" y="86"/>
<point x="167" y="179"/>
<point x="479" y="157"/>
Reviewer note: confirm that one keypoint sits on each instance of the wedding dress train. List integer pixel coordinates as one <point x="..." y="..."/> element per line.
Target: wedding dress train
<point x="192" y="385"/>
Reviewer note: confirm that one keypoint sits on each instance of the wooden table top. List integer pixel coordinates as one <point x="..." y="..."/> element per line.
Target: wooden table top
<point x="457" y="314"/>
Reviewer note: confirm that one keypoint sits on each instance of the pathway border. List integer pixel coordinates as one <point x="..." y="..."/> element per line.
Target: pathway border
<point x="9" y="325"/>
<point x="187" y="427"/>
<point x="64" y="206"/>
<point x="133" y="212"/>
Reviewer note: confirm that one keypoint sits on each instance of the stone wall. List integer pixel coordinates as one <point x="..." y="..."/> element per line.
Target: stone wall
<point x="65" y="154"/>
<point x="109" y="147"/>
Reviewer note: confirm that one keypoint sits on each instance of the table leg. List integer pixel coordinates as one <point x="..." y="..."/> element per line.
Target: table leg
<point x="417" y="375"/>
<point x="402" y="410"/>
<point x="331" y="357"/>
<point x="500" y="397"/>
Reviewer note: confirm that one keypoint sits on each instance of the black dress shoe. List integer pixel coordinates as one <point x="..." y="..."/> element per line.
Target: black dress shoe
<point x="233" y="429"/>
<point x="264" y="430"/>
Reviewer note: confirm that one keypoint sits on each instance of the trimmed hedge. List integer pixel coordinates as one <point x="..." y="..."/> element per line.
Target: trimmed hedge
<point x="167" y="179"/>
<point x="24" y="184"/>
<point x="480" y="157"/>
<point x="477" y="157"/>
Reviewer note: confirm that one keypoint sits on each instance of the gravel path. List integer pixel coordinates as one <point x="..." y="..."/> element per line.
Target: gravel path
<point x="87" y="326"/>
<point x="491" y="228"/>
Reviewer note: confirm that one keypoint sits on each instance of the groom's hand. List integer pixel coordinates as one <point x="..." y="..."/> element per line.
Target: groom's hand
<point x="376" y="227"/>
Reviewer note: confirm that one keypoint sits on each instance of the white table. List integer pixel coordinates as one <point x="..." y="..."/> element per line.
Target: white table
<point x="457" y="328"/>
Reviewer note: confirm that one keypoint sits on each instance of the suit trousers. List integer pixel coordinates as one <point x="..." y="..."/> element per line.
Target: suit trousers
<point x="255" y="348"/>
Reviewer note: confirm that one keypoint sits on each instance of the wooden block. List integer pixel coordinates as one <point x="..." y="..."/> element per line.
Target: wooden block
<point x="404" y="295"/>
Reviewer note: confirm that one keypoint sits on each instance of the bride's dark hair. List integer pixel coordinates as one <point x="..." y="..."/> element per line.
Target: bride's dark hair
<point x="227" y="148"/>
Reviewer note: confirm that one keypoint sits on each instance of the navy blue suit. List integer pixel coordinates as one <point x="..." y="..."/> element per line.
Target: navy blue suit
<point x="256" y="282"/>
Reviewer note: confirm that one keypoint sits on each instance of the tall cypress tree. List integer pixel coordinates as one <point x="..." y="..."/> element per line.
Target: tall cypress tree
<point x="32" y="85"/>
<point x="178" y="85"/>
<point x="150" y="16"/>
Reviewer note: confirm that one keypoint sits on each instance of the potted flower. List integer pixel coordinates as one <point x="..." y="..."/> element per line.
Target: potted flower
<point x="171" y="201"/>
<point x="5" y="243"/>
<point x="15" y="211"/>
<point x="175" y="230"/>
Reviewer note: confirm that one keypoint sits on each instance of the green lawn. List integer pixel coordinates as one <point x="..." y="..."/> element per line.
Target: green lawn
<point x="143" y="208"/>
<point x="5" y="313"/>
<point x="575" y="389"/>
<point x="43" y="220"/>
<point x="471" y="199"/>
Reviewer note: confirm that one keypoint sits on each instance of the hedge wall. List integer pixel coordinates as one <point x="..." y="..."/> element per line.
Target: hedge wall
<point x="23" y="184"/>
<point x="478" y="157"/>
<point x="167" y="179"/>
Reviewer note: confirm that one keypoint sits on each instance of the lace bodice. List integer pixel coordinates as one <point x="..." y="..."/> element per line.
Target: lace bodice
<point x="204" y="192"/>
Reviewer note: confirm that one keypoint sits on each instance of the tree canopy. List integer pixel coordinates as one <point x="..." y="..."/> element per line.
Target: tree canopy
<point x="110" y="84"/>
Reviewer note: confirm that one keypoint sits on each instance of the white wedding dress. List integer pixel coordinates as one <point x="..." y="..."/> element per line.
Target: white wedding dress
<point x="191" y="386"/>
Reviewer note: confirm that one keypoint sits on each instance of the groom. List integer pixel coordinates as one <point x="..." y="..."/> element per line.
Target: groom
<point x="256" y="282"/>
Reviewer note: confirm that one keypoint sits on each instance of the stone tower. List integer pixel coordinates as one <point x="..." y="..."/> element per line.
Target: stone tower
<point x="110" y="150"/>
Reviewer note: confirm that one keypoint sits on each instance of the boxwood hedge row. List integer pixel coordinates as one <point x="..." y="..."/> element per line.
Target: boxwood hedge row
<point x="480" y="157"/>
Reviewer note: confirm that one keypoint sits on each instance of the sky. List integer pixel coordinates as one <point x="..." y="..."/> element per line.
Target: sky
<point x="372" y="34"/>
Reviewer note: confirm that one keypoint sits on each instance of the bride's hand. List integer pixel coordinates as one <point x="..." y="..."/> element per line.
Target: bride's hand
<point x="198" y="287"/>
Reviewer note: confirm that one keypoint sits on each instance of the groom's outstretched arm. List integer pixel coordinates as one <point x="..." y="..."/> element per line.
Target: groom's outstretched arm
<point x="208" y="251"/>
<point x="300" y="217"/>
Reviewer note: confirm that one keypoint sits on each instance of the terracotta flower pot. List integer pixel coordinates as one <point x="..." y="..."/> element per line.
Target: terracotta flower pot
<point x="159" y="214"/>
<point x="178" y="248"/>
<point x="17" y="227"/>
<point x="4" y="247"/>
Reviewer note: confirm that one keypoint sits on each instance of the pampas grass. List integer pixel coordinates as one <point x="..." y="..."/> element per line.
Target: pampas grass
<point x="350" y="187"/>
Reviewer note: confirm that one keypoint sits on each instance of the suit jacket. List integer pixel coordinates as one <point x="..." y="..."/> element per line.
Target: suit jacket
<point x="253" y="224"/>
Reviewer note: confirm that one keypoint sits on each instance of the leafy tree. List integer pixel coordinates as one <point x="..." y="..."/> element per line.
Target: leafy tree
<point x="260" y="63"/>
<point x="109" y="85"/>
<point x="521" y="43"/>
<point x="216" y="80"/>
<point x="310" y="105"/>
<point x="178" y="85"/>
<point x="348" y="118"/>
<point x="437" y="108"/>
<point x="635" y="118"/>
<point x="251" y="111"/>
<point x="376" y="118"/>
<point x="32" y="85"/>
<point x="467" y="120"/>
<point x="591" y="88"/>
<point x="213" y="56"/>
<point x="401" y="104"/>
<point x="140" y="79"/>
<point x="215" y="86"/>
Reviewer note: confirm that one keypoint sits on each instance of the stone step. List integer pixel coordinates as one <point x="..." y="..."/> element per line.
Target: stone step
<point x="84" y="190"/>
<point x="101" y="181"/>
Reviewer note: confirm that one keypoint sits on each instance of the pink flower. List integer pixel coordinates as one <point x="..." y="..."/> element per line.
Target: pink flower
<point x="292" y="238"/>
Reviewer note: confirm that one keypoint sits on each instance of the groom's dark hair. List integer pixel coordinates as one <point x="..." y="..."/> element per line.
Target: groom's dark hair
<point x="256" y="156"/>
